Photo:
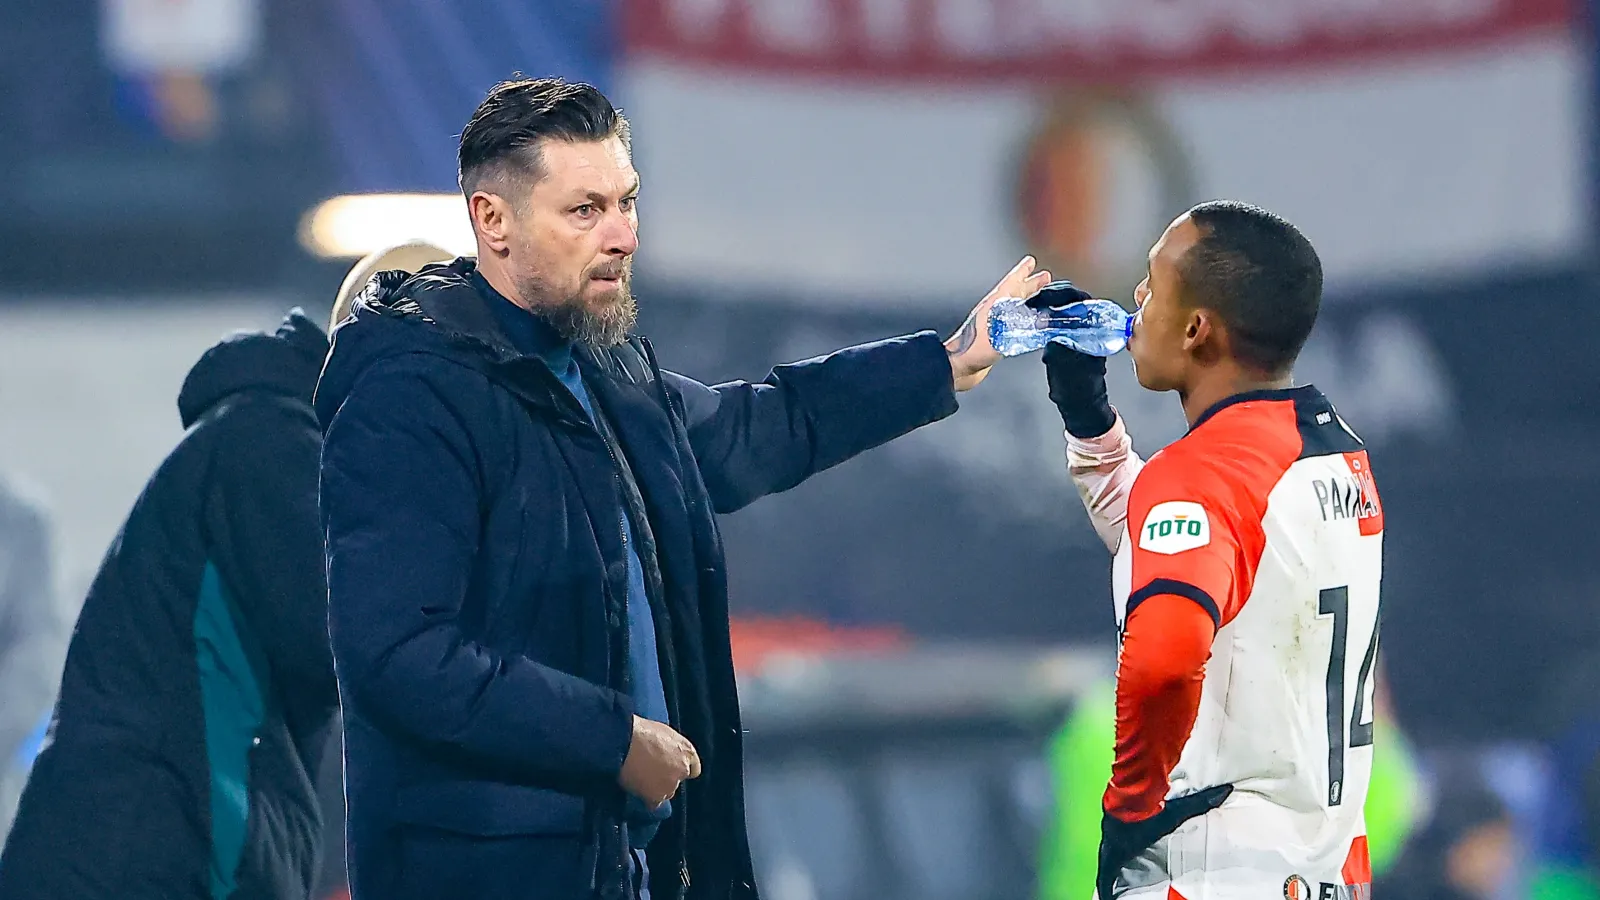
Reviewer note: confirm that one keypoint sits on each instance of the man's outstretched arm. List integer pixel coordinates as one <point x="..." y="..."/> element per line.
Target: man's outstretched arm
<point x="751" y="440"/>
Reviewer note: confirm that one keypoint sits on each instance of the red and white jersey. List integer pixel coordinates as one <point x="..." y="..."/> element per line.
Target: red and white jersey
<point x="1267" y="516"/>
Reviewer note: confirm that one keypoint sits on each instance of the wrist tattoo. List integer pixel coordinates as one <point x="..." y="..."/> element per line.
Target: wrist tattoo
<point x="967" y="336"/>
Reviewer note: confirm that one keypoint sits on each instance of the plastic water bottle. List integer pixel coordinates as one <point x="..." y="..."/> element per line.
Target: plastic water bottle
<point x="1095" y="327"/>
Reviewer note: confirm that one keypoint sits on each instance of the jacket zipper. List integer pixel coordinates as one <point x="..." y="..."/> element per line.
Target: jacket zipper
<point x="622" y="524"/>
<point x="616" y="474"/>
<point x="672" y="416"/>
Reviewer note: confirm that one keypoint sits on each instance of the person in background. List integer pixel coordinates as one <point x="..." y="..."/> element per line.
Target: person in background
<point x="1079" y="756"/>
<point x="198" y="689"/>
<point x="34" y="630"/>
<point x="1396" y="790"/>
<point x="1565" y="841"/>
<point x="1465" y="850"/>
<point x="404" y="260"/>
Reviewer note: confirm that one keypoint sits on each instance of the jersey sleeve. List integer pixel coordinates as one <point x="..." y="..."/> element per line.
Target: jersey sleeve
<point x="1190" y="538"/>
<point x="1103" y="469"/>
<point x="1160" y="674"/>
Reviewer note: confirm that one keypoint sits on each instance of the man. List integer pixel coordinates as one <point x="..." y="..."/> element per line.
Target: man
<point x="528" y="601"/>
<point x="198" y="685"/>
<point x="403" y="260"/>
<point x="34" y="629"/>
<point x="1466" y="850"/>
<point x="1248" y="556"/>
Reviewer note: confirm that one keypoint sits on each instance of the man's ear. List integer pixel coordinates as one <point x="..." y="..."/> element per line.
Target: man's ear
<point x="1205" y="335"/>
<point x="1197" y="328"/>
<point x="491" y="219"/>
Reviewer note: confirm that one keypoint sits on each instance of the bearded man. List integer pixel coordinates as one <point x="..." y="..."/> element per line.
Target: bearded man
<point x="527" y="596"/>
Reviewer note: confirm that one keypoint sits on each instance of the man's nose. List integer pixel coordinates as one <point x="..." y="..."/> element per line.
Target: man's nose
<point x="622" y="237"/>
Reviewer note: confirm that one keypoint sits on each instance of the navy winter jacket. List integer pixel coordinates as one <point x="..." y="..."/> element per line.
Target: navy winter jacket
<point x="477" y="580"/>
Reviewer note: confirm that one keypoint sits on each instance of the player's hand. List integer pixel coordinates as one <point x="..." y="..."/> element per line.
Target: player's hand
<point x="1122" y="842"/>
<point x="1077" y="380"/>
<point x="971" y="354"/>
<point x="659" y="759"/>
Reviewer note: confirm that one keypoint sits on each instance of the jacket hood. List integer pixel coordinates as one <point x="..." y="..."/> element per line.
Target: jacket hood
<point x="285" y="361"/>
<point x="437" y="311"/>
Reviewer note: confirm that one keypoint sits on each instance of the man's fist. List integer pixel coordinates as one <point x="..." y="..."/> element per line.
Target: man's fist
<point x="659" y="759"/>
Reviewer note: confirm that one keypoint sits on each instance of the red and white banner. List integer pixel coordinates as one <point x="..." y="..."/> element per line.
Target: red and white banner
<point x="872" y="148"/>
<point x="1075" y="40"/>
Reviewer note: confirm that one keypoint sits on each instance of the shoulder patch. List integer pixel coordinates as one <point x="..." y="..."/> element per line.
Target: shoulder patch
<point x="1174" y="527"/>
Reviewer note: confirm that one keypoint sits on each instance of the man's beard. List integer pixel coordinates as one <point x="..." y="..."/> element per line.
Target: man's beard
<point x="597" y="323"/>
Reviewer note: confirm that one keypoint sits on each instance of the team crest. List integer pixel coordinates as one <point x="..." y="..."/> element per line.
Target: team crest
<point x="1296" y="888"/>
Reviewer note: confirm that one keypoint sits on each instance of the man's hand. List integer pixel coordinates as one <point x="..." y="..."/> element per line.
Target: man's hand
<point x="1077" y="380"/>
<point x="659" y="759"/>
<point x="1123" y="842"/>
<point x="971" y="354"/>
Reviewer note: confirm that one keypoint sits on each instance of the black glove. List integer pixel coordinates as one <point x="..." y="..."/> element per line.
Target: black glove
<point x="1122" y="842"/>
<point x="1077" y="380"/>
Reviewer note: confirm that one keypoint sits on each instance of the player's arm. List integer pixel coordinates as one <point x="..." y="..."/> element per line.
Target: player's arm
<point x="1103" y="469"/>
<point x="1166" y="641"/>
<point x="1100" y="455"/>
<point x="1189" y="578"/>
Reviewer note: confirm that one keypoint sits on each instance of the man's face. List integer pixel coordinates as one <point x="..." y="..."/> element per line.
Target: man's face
<point x="571" y="237"/>
<point x="1161" y="331"/>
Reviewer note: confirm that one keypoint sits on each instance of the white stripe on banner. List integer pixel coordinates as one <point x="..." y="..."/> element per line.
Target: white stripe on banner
<point x="854" y="188"/>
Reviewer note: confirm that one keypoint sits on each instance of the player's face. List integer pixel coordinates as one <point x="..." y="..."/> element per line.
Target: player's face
<point x="1159" y="345"/>
<point x="571" y="240"/>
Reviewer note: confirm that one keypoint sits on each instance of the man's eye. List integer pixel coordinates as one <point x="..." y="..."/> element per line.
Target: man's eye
<point x="584" y="211"/>
<point x="627" y="203"/>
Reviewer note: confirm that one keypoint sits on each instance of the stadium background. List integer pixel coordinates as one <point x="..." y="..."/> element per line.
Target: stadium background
<point x="823" y="171"/>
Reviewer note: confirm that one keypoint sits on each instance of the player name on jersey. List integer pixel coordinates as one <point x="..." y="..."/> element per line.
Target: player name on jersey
<point x="1351" y="497"/>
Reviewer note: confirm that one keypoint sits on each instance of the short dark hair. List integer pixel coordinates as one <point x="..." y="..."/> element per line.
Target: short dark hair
<point x="1260" y="275"/>
<point x="503" y="137"/>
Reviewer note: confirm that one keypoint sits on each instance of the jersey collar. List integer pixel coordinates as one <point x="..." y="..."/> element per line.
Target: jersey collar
<point x="1299" y="394"/>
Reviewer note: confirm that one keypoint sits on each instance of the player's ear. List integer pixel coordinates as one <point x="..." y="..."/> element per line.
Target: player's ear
<point x="1197" y="329"/>
<point x="1205" y="336"/>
